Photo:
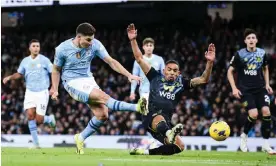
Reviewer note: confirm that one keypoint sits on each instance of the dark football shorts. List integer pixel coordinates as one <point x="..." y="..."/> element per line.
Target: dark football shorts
<point x="147" y="120"/>
<point x="255" y="100"/>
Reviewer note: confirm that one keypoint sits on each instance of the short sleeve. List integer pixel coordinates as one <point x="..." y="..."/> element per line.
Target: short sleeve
<point x="187" y="83"/>
<point x="152" y="74"/>
<point x="21" y="68"/>
<point x="235" y="60"/>
<point x="162" y="65"/>
<point x="101" y="51"/>
<point x="49" y="65"/>
<point x="265" y="60"/>
<point x="59" y="57"/>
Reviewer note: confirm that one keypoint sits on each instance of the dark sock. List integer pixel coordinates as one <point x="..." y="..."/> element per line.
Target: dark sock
<point x="165" y="150"/>
<point x="249" y="123"/>
<point x="266" y="125"/>
<point x="162" y="128"/>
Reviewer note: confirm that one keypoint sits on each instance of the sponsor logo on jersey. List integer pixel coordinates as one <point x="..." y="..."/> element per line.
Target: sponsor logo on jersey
<point x="167" y="95"/>
<point x="251" y="66"/>
<point x="250" y="72"/>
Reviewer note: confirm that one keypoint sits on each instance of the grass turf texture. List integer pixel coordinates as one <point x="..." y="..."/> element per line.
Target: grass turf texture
<point x="103" y="157"/>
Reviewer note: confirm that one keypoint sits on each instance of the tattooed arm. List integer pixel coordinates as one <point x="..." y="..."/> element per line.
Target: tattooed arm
<point x="204" y="78"/>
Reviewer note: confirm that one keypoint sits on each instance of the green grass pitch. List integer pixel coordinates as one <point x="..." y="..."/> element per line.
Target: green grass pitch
<point x="103" y="157"/>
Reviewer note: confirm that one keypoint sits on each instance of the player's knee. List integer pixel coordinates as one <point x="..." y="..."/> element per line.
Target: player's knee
<point x="98" y="96"/>
<point x="30" y="115"/>
<point x="103" y="116"/>
<point x="265" y="111"/>
<point x="156" y="120"/>
<point x="253" y="114"/>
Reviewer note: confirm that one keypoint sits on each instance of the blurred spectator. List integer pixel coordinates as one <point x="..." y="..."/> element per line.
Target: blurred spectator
<point x="197" y="109"/>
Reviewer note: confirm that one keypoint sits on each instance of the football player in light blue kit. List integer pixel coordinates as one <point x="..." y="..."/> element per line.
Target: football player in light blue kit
<point x="73" y="58"/>
<point x="157" y="62"/>
<point x="36" y="70"/>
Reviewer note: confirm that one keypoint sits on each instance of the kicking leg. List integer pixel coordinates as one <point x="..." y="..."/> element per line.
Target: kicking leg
<point x="98" y="96"/>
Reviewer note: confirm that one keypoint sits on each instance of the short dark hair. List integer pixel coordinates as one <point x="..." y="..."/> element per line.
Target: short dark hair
<point x="33" y="41"/>
<point x="172" y="61"/>
<point x="86" y="29"/>
<point x="148" y="40"/>
<point x="249" y="31"/>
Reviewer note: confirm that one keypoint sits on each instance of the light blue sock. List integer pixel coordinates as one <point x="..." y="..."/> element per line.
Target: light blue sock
<point x="33" y="131"/>
<point x="47" y="119"/>
<point x="93" y="125"/>
<point x="116" y="105"/>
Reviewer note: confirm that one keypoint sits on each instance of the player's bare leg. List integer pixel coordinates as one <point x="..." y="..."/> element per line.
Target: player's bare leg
<point x="32" y="124"/>
<point x="266" y="122"/>
<point x="34" y="119"/>
<point x="100" y="112"/>
<point x="98" y="96"/>
<point x="250" y="121"/>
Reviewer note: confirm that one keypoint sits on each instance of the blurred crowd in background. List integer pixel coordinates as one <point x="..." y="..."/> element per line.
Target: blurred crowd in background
<point x="197" y="109"/>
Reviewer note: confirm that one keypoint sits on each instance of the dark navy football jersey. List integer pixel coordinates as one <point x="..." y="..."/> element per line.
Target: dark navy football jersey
<point x="249" y="67"/>
<point x="165" y="95"/>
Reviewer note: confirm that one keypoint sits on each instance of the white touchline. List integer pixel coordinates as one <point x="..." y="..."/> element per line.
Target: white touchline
<point x="223" y="162"/>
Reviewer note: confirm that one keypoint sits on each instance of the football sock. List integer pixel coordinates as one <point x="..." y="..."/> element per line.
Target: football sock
<point x="93" y="125"/>
<point x="116" y="105"/>
<point x="33" y="130"/>
<point x="266" y="125"/>
<point x="165" y="150"/>
<point x="249" y="123"/>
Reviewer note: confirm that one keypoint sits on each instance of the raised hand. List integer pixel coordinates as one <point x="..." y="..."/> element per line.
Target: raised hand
<point x="210" y="55"/>
<point x="131" y="32"/>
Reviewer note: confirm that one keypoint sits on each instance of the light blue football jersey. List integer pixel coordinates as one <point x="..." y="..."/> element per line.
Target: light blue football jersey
<point x="157" y="62"/>
<point x="36" y="72"/>
<point x="74" y="61"/>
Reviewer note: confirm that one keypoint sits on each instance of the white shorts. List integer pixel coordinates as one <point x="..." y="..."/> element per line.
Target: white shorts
<point x="79" y="89"/>
<point x="38" y="100"/>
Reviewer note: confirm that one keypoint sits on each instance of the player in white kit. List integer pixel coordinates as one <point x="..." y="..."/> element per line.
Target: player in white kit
<point x="73" y="58"/>
<point x="157" y="62"/>
<point x="35" y="69"/>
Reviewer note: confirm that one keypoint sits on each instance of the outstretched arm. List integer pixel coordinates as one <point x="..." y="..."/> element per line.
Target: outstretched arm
<point x="20" y="73"/>
<point x="210" y="55"/>
<point x="204" y="78"/>
<point x="132" y="34"/>
<point x="14" y="76"/>
<point x="116" y="66"/>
